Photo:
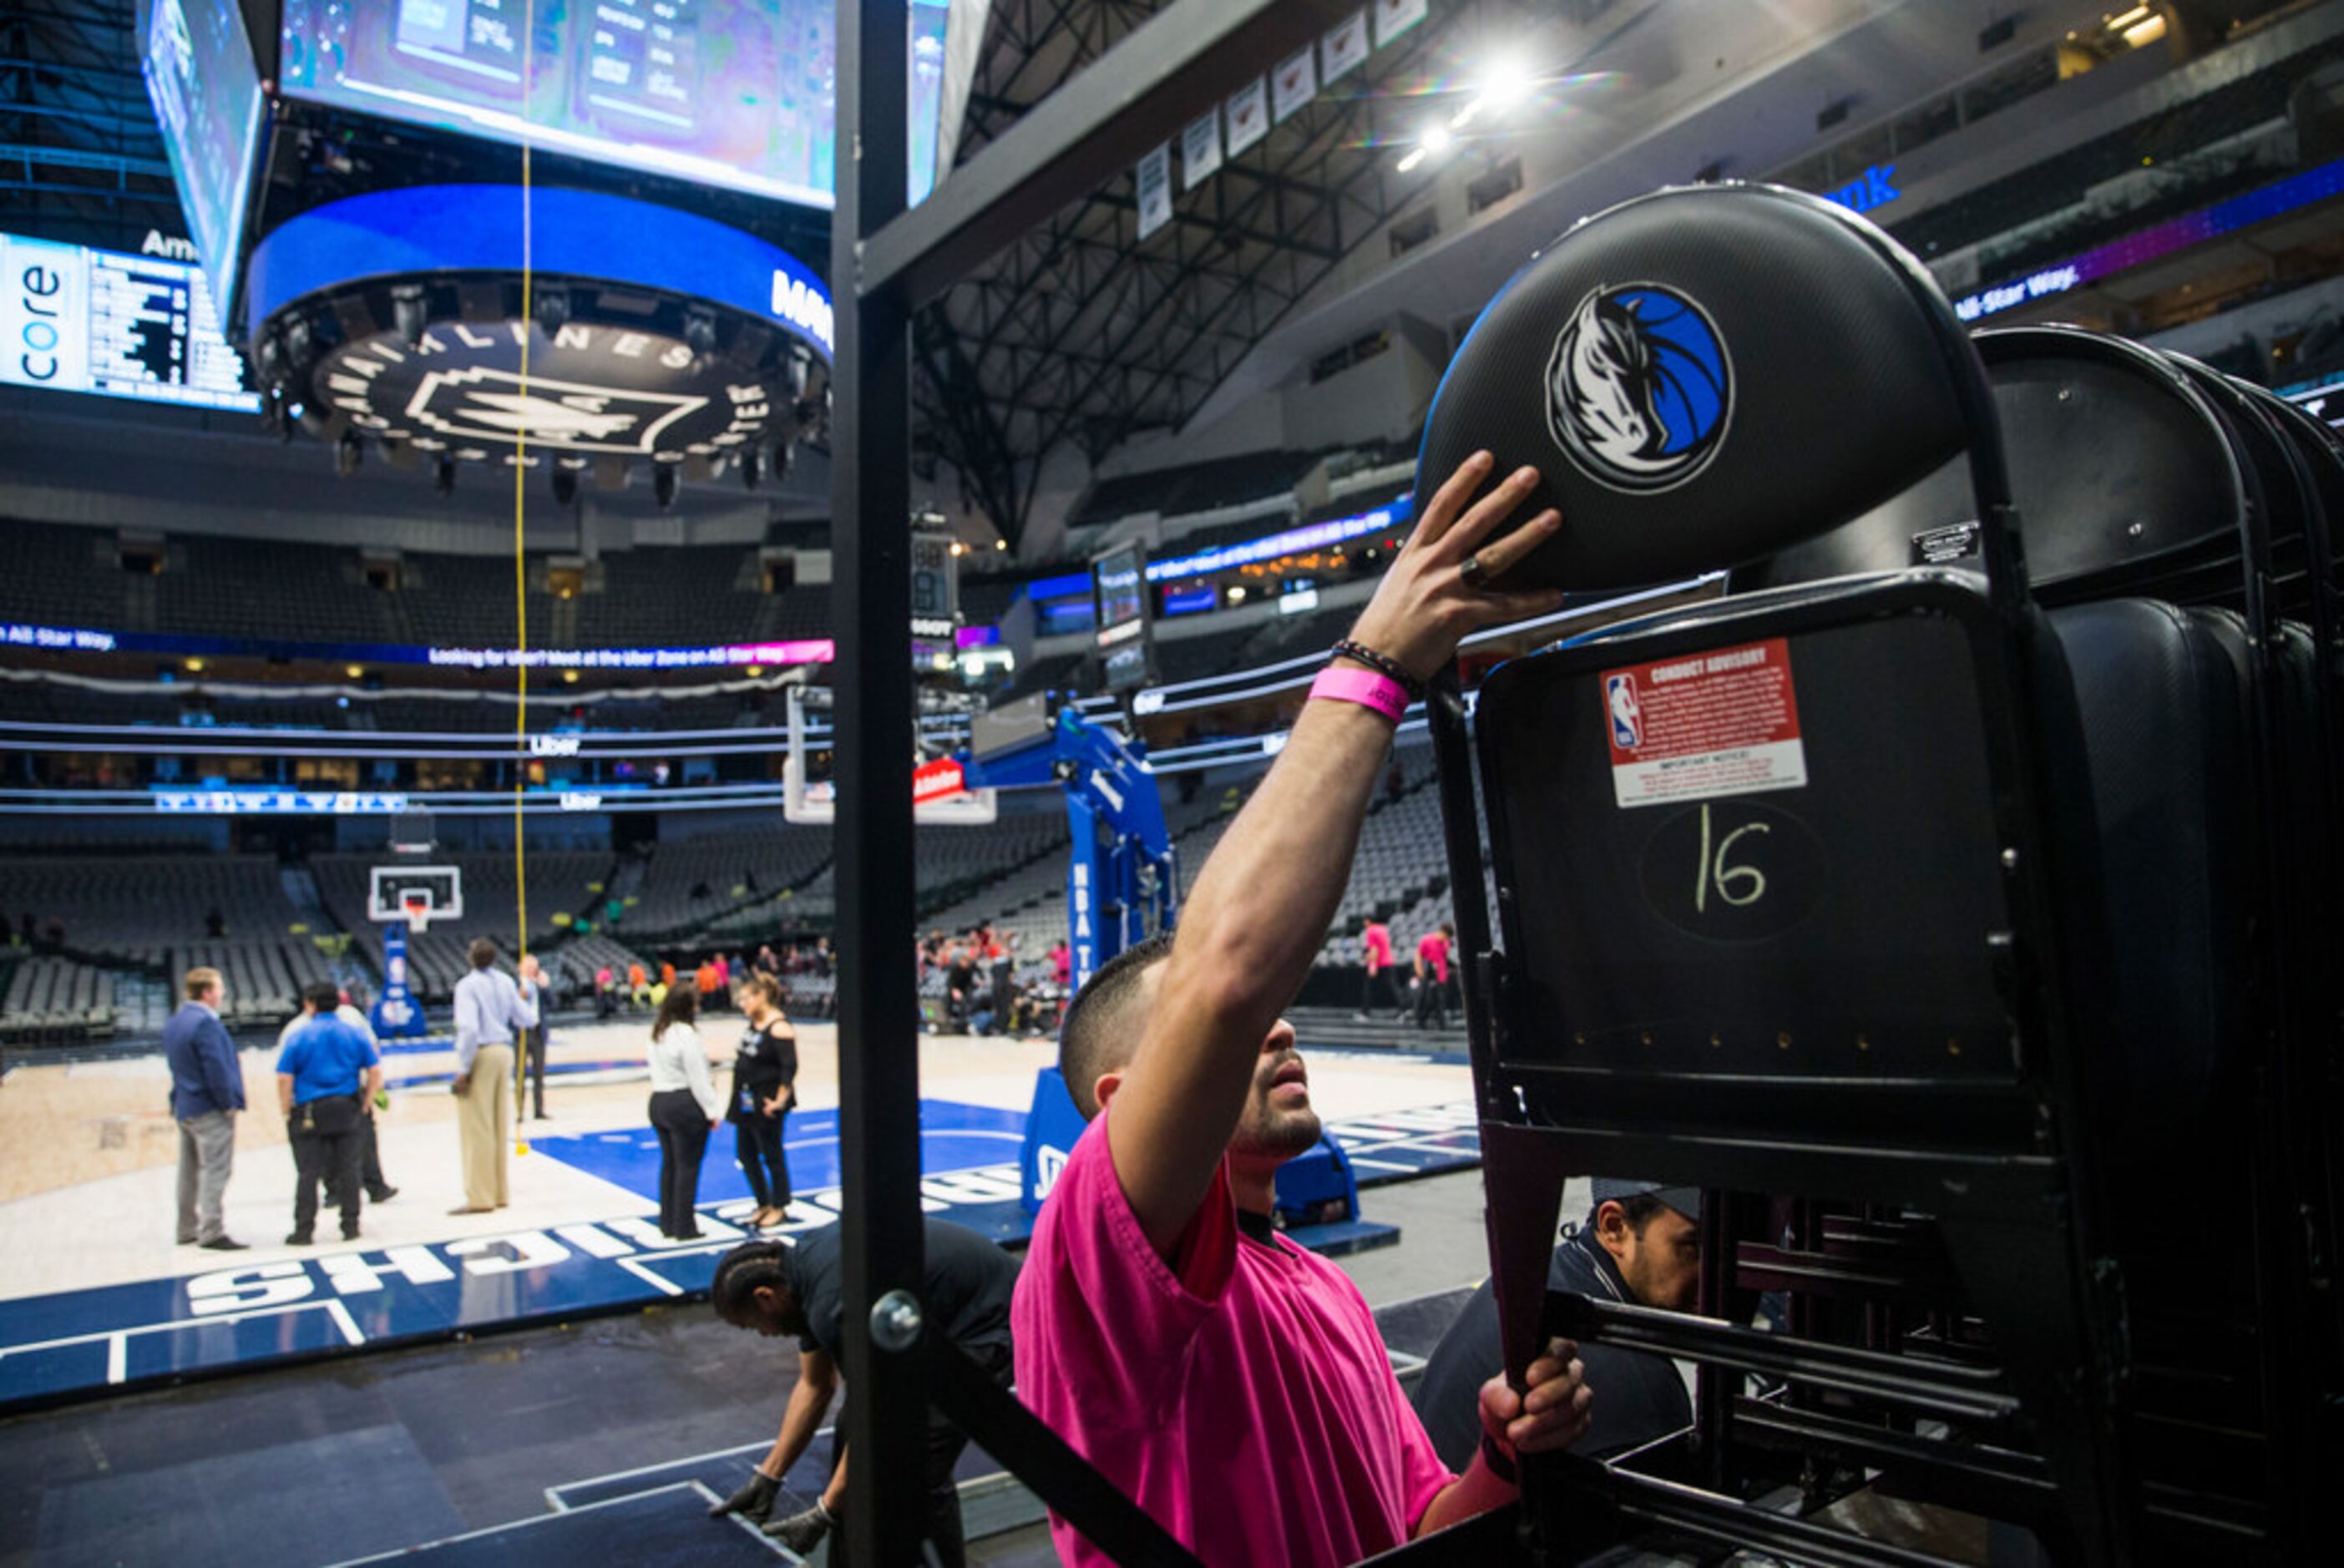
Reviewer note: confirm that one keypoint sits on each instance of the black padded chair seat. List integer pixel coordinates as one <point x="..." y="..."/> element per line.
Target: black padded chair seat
<point x="2170" y="752"/>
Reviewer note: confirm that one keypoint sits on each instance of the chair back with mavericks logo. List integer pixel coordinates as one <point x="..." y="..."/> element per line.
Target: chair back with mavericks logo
<point x="1787" y="905"/>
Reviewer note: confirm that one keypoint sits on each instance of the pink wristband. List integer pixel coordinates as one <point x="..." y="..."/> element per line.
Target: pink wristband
<point x="1365" y="687"/>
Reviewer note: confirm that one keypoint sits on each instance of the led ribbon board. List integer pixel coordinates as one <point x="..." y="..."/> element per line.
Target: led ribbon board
<point x="398" y="314"/>
<point x="2150" y="243"/>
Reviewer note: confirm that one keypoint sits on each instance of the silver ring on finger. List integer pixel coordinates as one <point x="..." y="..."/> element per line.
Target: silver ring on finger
<point x="1469" y="572"/>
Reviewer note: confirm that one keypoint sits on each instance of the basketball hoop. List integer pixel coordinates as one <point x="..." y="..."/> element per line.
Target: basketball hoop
<point x="416" y="908"/>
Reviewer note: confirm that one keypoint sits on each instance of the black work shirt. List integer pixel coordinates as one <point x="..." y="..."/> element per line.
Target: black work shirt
<point x="967" y="1286"/>
<point x="765" y="1065"/>
<point x="1638" y="1396"/>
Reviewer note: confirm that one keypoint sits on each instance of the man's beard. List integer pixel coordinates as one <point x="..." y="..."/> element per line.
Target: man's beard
<point x="1269" y="1130"/>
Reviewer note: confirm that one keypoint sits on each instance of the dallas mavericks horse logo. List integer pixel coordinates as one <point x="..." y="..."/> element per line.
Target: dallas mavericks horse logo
<point x="1639" y="391"/>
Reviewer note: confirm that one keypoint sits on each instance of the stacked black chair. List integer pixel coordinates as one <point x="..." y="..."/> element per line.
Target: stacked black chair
<point x="1914" y="918"/>
<point x="2154" y="488"/>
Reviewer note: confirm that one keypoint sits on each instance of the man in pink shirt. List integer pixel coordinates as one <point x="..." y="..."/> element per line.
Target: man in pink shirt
<point x="1230" y="1382"/>
<point x="1376" y="958"/>
<point x="1432" y="976"/>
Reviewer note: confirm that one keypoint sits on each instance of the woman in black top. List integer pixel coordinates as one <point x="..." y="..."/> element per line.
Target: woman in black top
<point x="764" y="1087"/>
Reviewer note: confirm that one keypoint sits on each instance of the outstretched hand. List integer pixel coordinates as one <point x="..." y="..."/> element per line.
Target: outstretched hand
<point x="1551" y="1413"/>
<point x="1426" y="603"/>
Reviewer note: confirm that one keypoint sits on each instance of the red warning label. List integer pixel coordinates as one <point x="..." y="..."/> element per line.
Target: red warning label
<point x="1705" y="726"/>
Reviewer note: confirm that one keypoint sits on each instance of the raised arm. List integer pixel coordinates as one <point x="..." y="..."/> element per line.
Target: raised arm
<point x="1251" y="929"/>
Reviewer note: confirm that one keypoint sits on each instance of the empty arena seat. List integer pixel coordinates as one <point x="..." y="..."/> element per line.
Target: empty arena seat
<point x="1801" y="892"/>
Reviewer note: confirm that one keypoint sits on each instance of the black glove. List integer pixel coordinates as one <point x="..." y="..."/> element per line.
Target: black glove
<point x="802" y="1533"/>
<point x="753" y="1502"/>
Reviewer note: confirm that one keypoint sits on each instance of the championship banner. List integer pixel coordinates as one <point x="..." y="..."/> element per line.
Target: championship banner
<point x="1200" y="149"/>
<point x="1155" y="179"/>
<point x="1294" y="83"/>
<point x="1394" y="17"/>
<point x="1345" y="46"/>
<point x="1248" y="109"/>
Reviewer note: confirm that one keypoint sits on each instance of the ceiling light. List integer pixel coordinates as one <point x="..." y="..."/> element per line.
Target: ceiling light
<point x="1414" y="156"/>
<point x="1505" y="83"/>
<point x="568" y="677"/>
<point x="195" y="666"/>
<point x="2118" y="22"/>
<point x="355" y="672"/>
<point x="2145" y="32"/>
<point x="1436" y="139"/>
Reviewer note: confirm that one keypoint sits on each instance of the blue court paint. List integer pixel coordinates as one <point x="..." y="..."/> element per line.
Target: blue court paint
<point x="80" y="1343"/>
<point x="952" y="1137"/>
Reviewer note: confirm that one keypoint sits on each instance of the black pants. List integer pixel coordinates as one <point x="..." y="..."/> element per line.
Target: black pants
<point x="369" y="1165"/>
<point x="1376" y="991"/>
<point x="531" y="1066"/>
<point x="1433" y="1003"/>
<point x="757" y="1145"/>
<point x="331" y="1157"/>
<point x="940" y="1503"/>
<point x="683" y="1138"/>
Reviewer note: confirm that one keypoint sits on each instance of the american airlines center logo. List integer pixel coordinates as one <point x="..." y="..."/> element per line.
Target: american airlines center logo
<point x="459" y="389"/>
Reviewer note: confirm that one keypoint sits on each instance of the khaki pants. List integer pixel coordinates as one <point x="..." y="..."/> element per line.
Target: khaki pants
<point x="484" y="1124"/>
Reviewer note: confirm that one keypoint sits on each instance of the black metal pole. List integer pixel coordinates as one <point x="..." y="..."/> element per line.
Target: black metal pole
<point x="878" y="1039"/>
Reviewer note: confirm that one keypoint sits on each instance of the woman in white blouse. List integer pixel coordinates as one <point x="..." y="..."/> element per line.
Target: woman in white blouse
<point x="685" y="1109"/>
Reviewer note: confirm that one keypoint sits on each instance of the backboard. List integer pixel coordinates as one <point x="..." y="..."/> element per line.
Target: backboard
<point x="393" y="889"/>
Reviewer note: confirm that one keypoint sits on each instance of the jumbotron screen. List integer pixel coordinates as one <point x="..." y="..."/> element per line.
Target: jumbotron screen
<point x="737" y="93"/>
<point x="198" y="61"/>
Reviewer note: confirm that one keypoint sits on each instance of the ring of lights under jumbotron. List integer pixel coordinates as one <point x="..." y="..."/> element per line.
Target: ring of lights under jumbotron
<point x="401" y="317"/>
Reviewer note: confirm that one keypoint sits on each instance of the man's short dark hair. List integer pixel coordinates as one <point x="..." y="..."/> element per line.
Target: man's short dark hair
<point x="322" y="994"/>
<point x="1096" y="1037"/>
<point x="1639" y="1208"/>
<point x="482" y="952"/>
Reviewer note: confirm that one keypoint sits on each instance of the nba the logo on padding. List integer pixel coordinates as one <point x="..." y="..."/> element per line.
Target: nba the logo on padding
<point x="1639" y="391"/>
<point x="1627" y="713"/>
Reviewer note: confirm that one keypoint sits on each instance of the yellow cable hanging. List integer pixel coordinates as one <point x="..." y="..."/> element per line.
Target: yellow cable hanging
<point x="520" y="584"/>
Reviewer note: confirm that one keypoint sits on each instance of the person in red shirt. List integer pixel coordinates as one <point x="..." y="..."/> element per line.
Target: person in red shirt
<point x="1432" y="976"/>
<point x="1230" y="1382"/>
<point x="1376" y="958"/>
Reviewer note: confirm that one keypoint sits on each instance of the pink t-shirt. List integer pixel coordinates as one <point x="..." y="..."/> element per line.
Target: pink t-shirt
<point x="1378" y="938"/>
<point x="1434" y="950"/>
<point x="1243" y="1397"/>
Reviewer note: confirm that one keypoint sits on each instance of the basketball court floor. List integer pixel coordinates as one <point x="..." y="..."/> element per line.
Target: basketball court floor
<point x="97" y="1296"/>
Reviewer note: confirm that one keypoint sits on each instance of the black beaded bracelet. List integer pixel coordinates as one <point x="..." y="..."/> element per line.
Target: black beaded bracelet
<point x="1382" y="664"/>
<point x="1500" y="1465"/>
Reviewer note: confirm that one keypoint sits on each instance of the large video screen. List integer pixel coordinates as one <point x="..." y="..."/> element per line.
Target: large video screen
<point x="75" y="320"/>
<point x="1119" y="588"/>
<point x="737" y="93"/>
<point x="198" y="61"/>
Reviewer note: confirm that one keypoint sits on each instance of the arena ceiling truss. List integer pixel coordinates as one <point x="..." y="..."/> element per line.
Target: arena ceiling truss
<point x="1083" y="334"/>
<point x="80" y="157"/>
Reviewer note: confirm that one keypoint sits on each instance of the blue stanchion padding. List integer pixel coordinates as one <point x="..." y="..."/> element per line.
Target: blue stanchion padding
<point x="1051" y="1129"/>
<point x="396" y="1012"/>
<point x="1317" y="1188"/>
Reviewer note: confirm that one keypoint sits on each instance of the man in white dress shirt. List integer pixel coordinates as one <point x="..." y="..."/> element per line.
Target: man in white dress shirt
<point x="490" y="1013"/>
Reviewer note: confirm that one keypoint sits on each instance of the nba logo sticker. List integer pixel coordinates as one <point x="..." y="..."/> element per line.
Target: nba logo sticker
<point x="1627" y="716"/>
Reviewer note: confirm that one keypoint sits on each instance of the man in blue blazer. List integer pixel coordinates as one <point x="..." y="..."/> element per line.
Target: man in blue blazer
<point x="207" y="1091"/>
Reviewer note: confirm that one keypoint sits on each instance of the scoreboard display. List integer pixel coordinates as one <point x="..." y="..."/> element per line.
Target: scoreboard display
<point x="78" y="319"/>
<point x="738" y="93"/>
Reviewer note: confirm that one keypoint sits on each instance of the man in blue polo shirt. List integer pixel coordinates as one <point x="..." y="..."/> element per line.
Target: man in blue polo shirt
<point x="320" y="1074"/>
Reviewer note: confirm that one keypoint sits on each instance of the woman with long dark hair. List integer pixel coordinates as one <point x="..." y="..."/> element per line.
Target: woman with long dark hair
<point x="684" y="1110"/>
<point x="764" y="1089"/>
